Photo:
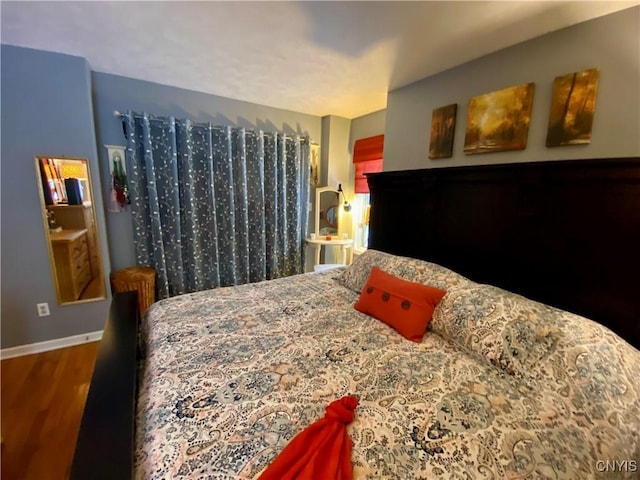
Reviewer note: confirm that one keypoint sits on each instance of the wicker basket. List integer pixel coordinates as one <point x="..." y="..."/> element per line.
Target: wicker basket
<point x="140" y="279"/>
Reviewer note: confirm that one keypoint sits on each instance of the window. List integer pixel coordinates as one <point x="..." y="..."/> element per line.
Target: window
<point x="361" y="220"/>
<point x="367" y="157"/>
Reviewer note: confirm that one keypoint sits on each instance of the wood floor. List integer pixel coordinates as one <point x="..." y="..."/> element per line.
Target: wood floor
<point x="43" y="396"/>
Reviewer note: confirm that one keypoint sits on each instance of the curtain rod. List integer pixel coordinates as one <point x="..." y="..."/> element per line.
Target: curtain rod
<point x="119" y="114"/>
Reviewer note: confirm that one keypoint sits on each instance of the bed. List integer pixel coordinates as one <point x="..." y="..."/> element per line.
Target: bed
<point x="502" y="386"/>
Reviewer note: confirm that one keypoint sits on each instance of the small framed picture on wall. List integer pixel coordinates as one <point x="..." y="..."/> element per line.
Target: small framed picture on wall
<point x="314" y="164"/>
<point x="573" y="104"/>
<point x="443" y="126"/>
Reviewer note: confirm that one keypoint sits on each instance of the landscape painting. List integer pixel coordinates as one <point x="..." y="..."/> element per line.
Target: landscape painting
<point x="573" y="104"/>
<point x="499" y="120"/>
<point x="443" y="125"/>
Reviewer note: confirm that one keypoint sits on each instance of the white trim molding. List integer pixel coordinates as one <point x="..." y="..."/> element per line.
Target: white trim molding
<point x="50" y="345"/>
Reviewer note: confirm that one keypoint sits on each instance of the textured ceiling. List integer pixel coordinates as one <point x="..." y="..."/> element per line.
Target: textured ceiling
<point x="321" y="58"/>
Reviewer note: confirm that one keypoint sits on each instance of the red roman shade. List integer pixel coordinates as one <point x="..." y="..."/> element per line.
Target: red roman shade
<point x="367" y="155"/>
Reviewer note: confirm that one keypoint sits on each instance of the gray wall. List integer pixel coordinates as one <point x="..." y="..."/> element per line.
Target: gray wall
<point x="338" y="172"/>
<point x="338" y="152"/>
<point x="112" y="92"/>
<point x="610" y="43"/>
<point x="334" y="169"/>
<point x="367" y="126"/>
<point x="46" y="110"/>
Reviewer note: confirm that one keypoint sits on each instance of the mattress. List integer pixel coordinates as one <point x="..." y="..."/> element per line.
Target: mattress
<point x="500" y="387"/>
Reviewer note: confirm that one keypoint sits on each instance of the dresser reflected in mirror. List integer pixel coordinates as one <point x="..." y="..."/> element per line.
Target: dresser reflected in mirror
<point x="66" y="199"/>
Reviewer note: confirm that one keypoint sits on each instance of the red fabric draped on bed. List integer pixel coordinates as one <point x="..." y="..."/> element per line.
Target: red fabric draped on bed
<point x="321" y="451"/>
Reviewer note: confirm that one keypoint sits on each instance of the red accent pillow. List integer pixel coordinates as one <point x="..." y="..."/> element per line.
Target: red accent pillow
<point x="405" y="306"/>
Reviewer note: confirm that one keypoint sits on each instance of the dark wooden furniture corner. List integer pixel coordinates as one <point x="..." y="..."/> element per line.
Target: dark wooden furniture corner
<point x="565" y="233"/>
<point x="105" y="445"/>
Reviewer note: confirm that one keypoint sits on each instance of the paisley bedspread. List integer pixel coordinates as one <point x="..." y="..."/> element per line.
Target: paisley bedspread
<point x="501" y="387"/>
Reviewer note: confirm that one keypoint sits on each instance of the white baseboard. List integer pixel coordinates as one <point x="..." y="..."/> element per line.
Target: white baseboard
<point x="50" y="345"/>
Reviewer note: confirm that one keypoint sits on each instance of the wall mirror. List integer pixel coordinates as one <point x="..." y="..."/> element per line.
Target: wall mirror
<point x="66" y="199"/>
<point x="327" y="213"/>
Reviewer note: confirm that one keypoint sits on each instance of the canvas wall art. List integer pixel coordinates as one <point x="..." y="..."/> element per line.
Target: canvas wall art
<point x="573" y="103"/>
<point x="499" y="120"/>
<point x="443" y="125"/>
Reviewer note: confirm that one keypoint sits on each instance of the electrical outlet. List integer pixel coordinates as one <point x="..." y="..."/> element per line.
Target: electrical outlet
<point x="43" y="309"/>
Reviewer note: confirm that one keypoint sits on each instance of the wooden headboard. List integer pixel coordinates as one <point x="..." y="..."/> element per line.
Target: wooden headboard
<point x="565" y="233"/>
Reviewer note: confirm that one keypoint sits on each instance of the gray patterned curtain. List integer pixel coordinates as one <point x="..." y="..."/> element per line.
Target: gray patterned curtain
<point x="215" y="206"/>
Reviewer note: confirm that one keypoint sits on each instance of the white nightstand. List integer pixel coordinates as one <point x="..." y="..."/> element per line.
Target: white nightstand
<point x="323" y="267"/>
<point x="318" y="243"/>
